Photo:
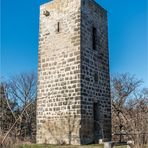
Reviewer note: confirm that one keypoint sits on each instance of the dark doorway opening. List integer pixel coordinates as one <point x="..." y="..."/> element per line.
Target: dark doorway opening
<point x="96" y="121"/>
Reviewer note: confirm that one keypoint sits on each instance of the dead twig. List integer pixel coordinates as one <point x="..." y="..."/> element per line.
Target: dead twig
<point x="15" y="122"/>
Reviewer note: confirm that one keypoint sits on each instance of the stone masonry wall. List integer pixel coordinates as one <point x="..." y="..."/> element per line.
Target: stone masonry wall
<point x="95" y="80"/>
<point x="73" y="78"/>
<point x="58" y="103"/>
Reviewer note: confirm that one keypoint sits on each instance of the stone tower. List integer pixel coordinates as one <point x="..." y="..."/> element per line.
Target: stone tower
<point x="73" y="105"/>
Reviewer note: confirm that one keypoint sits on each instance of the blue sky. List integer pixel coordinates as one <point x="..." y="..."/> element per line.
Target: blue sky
<point x="128" y="36"/>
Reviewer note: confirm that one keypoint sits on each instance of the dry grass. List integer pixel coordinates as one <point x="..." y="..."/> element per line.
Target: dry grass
<point x="56" y="146"/>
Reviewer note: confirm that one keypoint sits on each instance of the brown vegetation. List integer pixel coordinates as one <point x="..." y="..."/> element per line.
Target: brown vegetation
<point x="18" y="110"/>
<point x="129" y="110"/>
<point x="17" y="116"/>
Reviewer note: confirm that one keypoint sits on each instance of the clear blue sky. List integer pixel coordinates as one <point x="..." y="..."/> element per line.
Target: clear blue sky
<point x="128" y="36"/>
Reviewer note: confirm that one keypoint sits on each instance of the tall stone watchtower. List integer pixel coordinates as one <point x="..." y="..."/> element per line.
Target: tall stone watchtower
<point x="73" y="105"/>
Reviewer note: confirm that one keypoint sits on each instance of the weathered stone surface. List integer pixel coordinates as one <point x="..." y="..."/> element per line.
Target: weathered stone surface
<point x="73" y="104"/>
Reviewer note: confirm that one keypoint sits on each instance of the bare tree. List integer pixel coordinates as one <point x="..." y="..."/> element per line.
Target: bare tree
<point x="129" y="108"/>
<point x="7" y="115"/>
<point x="23" y="88"/>
<point x="19" y="95"/>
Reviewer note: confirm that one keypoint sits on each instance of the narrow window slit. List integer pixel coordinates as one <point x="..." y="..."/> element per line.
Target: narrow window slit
<point x="96" y="78"/>
<point x="94" y="36"/>
<point x="58" y="27"/>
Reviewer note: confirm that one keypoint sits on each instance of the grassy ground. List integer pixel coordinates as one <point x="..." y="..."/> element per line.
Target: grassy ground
<point x="121" y="146"/>
<point x="56" y="146"/>
<point x="65" y="146"/>
<point x="68" y="146"/>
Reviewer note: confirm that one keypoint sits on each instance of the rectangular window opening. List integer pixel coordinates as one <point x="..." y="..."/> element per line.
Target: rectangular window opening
<point x="95" y="106"/>
<point x="96" y="118"/>
<point x="94" y="38"/>
<point x="96" y="78"/>
<point x="58" y="27"/>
